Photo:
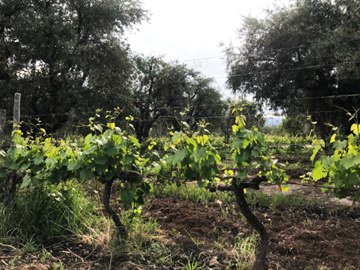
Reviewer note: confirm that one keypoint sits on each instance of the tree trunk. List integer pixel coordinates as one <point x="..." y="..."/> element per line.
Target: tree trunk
<point x="261" y="262"/>
<point x="106" y="197"/>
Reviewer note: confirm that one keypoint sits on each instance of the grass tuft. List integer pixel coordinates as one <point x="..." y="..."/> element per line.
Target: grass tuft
<point x="46" y="215"/>
<point x="244" y="252"/>
<point x="192" y="192"/>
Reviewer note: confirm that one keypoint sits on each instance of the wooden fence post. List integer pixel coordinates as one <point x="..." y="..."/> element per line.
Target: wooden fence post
<point x="11" y="179"/>
<point x="2" y="122"/>
<point x="17" y="100"/>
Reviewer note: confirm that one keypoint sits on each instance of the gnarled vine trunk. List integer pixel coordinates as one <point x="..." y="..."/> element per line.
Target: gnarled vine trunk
<point x="106" y="198"/>
<point x="252" y="182"/>
<point x="261" y="250"/>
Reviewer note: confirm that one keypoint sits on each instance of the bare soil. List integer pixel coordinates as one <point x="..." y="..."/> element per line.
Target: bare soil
<point x="299" y="239"/>
<point x="302" y="238"/>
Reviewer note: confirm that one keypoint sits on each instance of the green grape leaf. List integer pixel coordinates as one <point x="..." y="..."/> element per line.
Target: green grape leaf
<point x="101" y="160"/>
<point x="179" y="156"/>
<point x="191" y="141"/>
<point x="350" y="161"/>
<point x="73" y="165"/>
<point x="319" y="171"/>
<point x="200" y="153"/>
<point x="315" y="151"/>
<point x="88" y="138"/>
<point x="340" y="145"/>
<point x="26" y="181"/>
<point x="38" y="160"/>
<point x="25" y="165"/>
<point x="110" y="149"/>
<point x="128" y="159"/>
<point x="245" y="143"/>
<point x="111" y="125"/>
<point x="217" y="158"/>
<point x="134" y="141"/>
<point x="176" y="138"/>
<point x="333" y="138"/>
<point x="90" y="150"/>
<point x="202" y="139"/>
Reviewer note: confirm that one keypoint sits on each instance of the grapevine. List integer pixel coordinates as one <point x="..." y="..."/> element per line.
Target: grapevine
<point x="341" y="169"/>
<point x="109" y="154"/>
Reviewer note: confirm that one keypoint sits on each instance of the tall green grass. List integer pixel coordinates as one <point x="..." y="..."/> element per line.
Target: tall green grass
<point x="48" y="214"/>
<point x="191" y="192"/>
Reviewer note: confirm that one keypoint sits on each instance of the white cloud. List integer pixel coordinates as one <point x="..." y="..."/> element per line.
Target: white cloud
<point x="193" y="29"/>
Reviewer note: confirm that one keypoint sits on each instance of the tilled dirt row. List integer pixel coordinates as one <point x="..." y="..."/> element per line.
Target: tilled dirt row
<point x="305" y="238"/>
<point x="299" y="239"/>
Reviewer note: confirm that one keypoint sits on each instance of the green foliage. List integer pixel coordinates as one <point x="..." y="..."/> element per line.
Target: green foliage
<point x="223" y="147"/>
<point x="141" y="232"/>
<point x="297" y="52"/>
<point x="47" y="214"/>
<point x="250" y="110"/>
<point x="111" y="153"/>
<point x="188" y="157"/>
<point x="103" y="156"/>
<point x="191" y="264"/>
<point x="296" y="125"/>
<point x="64" y="55"/>
<point x="250" y="154"/>
<point x="168" y="93"/>
<point x="191" y="192"/>
<point x="153" y="149"/>
<point x="39" y="160"/>
<point x="244" y="250"/>
<point x="274" y="130"/>
<point x="193" y="158"/>
<point x="258" y="199"/>
<point x="292" y="201"/>
<point x="288" y="145"/>
<point x="342" y="168"/>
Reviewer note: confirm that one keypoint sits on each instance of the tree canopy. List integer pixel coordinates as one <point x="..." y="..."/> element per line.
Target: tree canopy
<point x="165" y="93"/>
<point x="64" y="55"/>
<point x="303" y="58"/>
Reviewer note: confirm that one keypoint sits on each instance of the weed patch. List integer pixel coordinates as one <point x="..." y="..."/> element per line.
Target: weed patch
<point x="46" y="215"/>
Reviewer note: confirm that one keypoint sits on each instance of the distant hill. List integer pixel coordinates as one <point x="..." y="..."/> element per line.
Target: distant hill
<point x="273" y="121"/>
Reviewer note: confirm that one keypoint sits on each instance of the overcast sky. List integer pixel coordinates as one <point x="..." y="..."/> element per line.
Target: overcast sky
<point x="191" y="30"/>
